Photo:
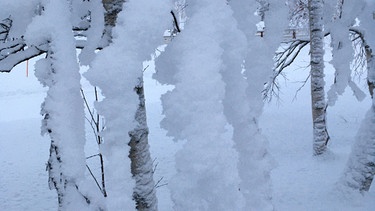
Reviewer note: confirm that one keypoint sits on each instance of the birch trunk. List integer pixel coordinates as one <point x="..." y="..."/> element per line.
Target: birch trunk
<point x="112" y="9"/>
<point x="141" y="163"/>
<point x="318" y="102"/>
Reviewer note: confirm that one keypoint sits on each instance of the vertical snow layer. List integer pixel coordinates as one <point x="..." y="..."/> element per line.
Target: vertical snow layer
<point x="117" y="70"/>
<point x="63" y="108"/>
<point x="254" y="161"/>
<point x="206" y="176"/>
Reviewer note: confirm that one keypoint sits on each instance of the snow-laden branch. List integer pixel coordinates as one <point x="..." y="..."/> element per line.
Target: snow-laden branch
<point x="16" y="52"/>
<point x="85" y="17"/>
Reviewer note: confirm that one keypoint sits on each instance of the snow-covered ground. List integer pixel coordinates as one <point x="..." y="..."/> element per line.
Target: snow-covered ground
<point x="300" y="181"/>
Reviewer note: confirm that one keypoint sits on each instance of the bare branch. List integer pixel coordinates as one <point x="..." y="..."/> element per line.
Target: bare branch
<point x="96" y="181"/>
<point x="158" y="182"/>
<point x="176" y="26"/>
<point x="283" y="59"/>
<point x="300" y="88"/>
<point x="93" y="156"/>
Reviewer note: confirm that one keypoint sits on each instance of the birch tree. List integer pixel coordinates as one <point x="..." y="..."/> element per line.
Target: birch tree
<point x="141" y="162"/>
<point x="318" y="101"/>
<point x="130" y="44"/>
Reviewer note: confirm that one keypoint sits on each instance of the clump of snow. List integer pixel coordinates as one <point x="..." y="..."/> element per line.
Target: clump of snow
<point x="342" y="50"/>
<point x="94" y="33"/>
<point x="43" y="73"/>
<point x="20" y="12"/>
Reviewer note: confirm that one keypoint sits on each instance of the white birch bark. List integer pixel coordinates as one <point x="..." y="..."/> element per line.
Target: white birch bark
<point x="141" y="162"/>
<point x="318" y="102"/>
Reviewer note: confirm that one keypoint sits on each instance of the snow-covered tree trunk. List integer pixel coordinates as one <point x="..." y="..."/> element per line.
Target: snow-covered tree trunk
<point x="360" y="169"/>
<point x="141" y="162"/>
<point x="112" y="8"/>
<point x="123" y="105"/>
<point x="63" y="108"/>
<point x="318" y="101"/>
<point x="243" y="103"/>
<point x="206" y="177"/>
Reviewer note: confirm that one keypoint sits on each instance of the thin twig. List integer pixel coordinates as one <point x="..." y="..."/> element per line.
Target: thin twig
<point x="93" y="156"/>
<point x="87" y="106"/>
<point x="96" y="181"/>
<point x="300" y="88"/>
<point x="161" y="185"/>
